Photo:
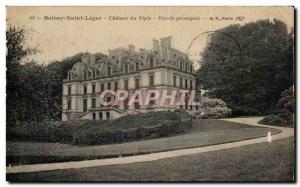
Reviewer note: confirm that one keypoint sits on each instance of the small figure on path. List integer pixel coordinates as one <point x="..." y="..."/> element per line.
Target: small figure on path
<point x="269" y="137"/>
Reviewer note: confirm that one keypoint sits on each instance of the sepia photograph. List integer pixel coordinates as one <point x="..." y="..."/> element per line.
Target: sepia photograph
<point x="150" y="94"/>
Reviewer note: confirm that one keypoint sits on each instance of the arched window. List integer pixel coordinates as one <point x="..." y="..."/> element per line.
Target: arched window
<point x="151" y="62"/>
<point x="100" y="116"/>
<point x="107" y="115"/>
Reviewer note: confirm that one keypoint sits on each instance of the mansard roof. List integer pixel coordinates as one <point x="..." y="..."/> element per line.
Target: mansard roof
<point x="162" y="54"/>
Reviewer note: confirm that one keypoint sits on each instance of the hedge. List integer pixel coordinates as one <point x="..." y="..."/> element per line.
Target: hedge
<point x="125" y="129"/>
<point x="273" y="120"/>
<point x="48" y="131"/>
<point x="167" y="128"/>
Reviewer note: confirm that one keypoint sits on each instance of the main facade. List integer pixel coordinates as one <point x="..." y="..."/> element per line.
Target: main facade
<point x="162" y="68"/>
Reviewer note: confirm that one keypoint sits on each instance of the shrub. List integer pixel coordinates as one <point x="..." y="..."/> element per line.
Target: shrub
<point x="213" y="109"/>
<point x="272" y="120"/>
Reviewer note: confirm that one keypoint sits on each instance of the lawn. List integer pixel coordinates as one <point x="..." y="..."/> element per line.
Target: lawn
<point x="203" y="133"/>
<point x="259" y="162"/>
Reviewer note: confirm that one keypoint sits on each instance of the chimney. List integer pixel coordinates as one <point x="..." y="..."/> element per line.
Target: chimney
<point x="166" y="42"/>
<point x="155" y="45"/>
<point x="92" y="59"/>
<point x="131" y="48"/>
<point x="85" y="58"/>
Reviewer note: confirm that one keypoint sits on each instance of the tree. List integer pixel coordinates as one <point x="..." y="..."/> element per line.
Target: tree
<point x="16" y="52"/>
<point x="286" y="104"/>
<point x="248" y="66"/>
<point x="34" y="91"/>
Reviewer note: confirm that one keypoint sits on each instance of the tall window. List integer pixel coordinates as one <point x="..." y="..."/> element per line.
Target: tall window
<point x="181" y="83"/>
<point x="186" y="65"/>
<point x="137" y="104"/>
<point x="126" y="84"/>
<point x="94" y="88"/>
<point x="94" y="116"/>
<point x="69" y="104"/>
<point x="191" y="84"/>
<point x="108" y="71"/>
<point x="191" y="68"/>
<point x="126" y="103"/>
<point x="137" y="66"/>
<point x="94" y="74"/>
<point x="93" y="102"/>
<point x="85" y="75"/>
<point x="70" y="76"/>
<point x="151" y="80"/>
<point x="137" y="83"/>
<point x="186" y="83"/>
<point x="126" y="68"/>
<point x="107" y="115"/>
<point x="69" y="90"/>
<point x="108" y="99"/>
<point x="174" y="81"/>
<point x="180" y="65"/>
<point x="116" y="86"/>
<point x="102" y="87"/>
<point x="100" y="116"/>
<point x="84" y="89"/>
<point x="151" y="62"/>
<point x="84" y="105"/>
<point x="152" y="102"/>
<point x="108" y="85"/>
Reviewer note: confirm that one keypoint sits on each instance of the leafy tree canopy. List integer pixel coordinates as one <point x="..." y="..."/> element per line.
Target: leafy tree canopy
<point x="34" y="91"/>
<point x="248" y="66"/>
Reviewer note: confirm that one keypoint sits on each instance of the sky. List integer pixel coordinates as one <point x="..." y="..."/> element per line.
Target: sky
<point x="60" y="39"/>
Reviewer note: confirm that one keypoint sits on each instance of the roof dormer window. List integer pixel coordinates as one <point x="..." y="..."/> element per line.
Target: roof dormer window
<point x="126" y="68"/>
<point x="108" y="71"/>
<point x="94" y="74"/>
<point x="151" y="62"/>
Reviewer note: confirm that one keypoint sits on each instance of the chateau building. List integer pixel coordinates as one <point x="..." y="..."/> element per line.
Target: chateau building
<point x="162" y="68"/>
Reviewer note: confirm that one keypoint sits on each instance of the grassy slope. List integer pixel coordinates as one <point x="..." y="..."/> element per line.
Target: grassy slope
<point x="259" y="162"/>
<point x="204" y="132"/>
